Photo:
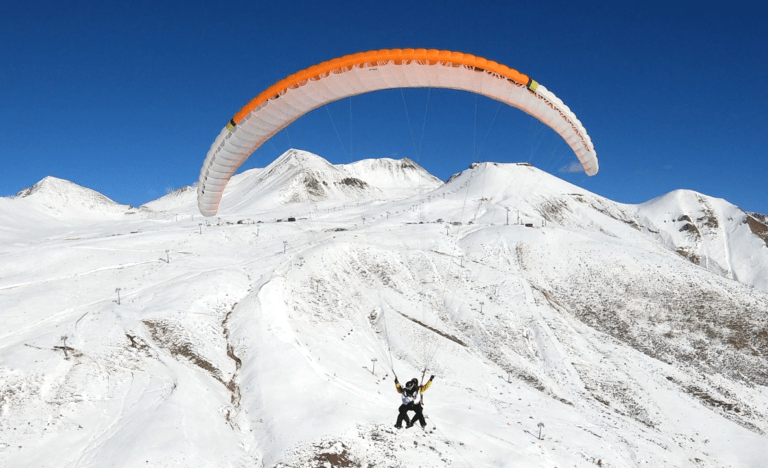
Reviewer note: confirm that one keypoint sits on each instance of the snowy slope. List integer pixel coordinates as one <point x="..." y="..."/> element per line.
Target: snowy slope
<point x="251" y="345"/>
<point x="712" y="233"/>
<point x="54" y="207"/>
<point x="298" y="179"/>
<point x="184" y="198"/>
<point x="397" y="178"/>
<point x="62" y="198"/>
<point x="709" y="232"/>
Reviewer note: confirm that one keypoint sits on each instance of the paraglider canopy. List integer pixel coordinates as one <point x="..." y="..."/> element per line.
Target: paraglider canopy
<point x="290" y="98"/>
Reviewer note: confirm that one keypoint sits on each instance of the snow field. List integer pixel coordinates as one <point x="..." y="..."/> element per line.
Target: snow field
<point x="251" y="345"/>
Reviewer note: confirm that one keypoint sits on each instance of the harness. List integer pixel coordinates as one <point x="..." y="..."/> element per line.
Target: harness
<point x="411" y="396"/>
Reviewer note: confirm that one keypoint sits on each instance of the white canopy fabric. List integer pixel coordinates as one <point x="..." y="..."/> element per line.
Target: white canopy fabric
<point x="289" y="99"/>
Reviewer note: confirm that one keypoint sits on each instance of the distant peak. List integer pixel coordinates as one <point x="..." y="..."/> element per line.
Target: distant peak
<point x="65" y="193"/>
<point x="300" y="155"/>
<point x="296" y="157"/>
<point x="179" y="192"/>
<point x="404" y="164"/>
<point x="47" y="183"/>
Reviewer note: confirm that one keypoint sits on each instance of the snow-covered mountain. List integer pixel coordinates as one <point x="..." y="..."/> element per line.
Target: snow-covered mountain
<point x="62" y="198"/>
<point x="709" y="232"/>
<point x="181" y="198"/>
<point x="397" y="178"/>
<point x="712" y="233"/>
<point x="563" y="329"/>
<point x="300" y="179"/>
<point x="52" y="207"/>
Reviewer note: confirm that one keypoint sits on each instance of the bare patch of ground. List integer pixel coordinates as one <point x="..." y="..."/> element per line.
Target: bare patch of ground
<point x="758" y="228"/>
<point x="435" y="330"/>
<point x="166" y="335"/>
<point x="353" y="182"/>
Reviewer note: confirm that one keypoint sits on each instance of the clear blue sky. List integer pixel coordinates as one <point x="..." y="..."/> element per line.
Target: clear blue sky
<point x="127" y="97"/>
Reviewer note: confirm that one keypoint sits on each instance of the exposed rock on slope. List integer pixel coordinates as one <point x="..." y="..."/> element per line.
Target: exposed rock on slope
<point x="397" y="178"/>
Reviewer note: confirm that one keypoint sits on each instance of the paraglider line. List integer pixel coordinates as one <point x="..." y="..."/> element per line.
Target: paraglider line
<point x="482" y="145"/>
<point x="337" y="131"/>
<point x="474" y="138"/>
<point x="287" y="133"/>
<point x="424" y="124"/>
<point x="389" y="347"/>
<point x="410" y="128"/>
<point x="452" y="446"/>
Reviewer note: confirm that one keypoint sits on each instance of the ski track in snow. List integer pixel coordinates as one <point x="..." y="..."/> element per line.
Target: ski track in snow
<point x="97" y="270"/>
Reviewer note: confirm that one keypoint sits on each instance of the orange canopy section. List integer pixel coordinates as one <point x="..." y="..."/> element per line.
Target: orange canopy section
<point x="290" y="98"/>
<point x="379" y="57"/>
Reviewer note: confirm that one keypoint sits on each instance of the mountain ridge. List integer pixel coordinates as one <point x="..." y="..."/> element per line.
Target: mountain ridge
<point x="702" y="229"/>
